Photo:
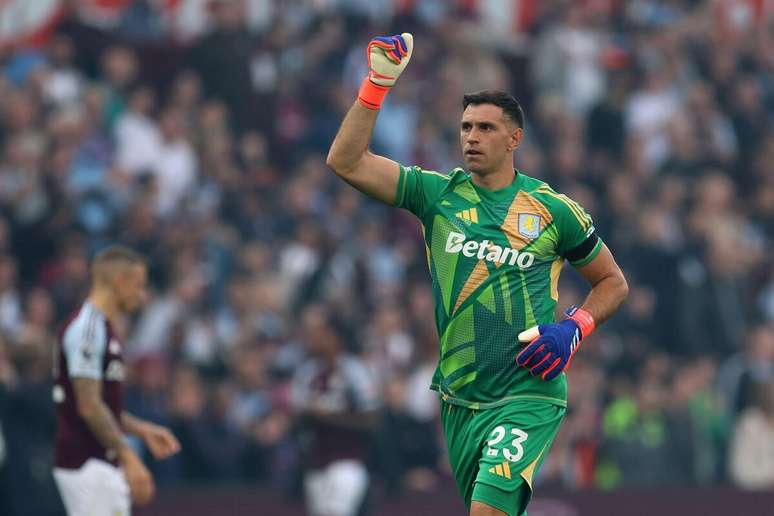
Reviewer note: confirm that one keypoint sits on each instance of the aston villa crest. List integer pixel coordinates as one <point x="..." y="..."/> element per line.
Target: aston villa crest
<point x="529" y="225"/>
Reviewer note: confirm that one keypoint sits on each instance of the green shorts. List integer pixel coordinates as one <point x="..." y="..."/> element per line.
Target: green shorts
<point x="495" y="453"/>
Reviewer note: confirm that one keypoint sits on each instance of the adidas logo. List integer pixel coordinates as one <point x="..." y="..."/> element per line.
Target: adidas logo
<point x="502" y="470"/>
<point x="470" y="216"/>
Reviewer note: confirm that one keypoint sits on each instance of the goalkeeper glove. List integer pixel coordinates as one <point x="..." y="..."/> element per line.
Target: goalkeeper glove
<point x="552" y="346"/>
<point x="387" y="57"/>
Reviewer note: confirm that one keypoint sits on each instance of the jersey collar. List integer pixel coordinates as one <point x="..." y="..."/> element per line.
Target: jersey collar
<point x="503" y="193"/>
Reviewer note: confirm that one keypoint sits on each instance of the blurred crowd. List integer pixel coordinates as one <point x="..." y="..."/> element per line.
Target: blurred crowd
<point x="207" y="155"/>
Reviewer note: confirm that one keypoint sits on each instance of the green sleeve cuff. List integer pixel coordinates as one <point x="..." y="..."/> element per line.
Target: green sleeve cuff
<point x="400" y="192"/>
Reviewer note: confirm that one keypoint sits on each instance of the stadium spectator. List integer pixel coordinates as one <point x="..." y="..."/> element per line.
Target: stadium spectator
<point x="752" y="456"/>
<point x="335" y="401"/>
<point x="751" y="366"/>
<point x="10" y="300"/>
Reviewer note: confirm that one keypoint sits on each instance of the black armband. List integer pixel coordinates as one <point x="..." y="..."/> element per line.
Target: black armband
<point x="583" y="250"/>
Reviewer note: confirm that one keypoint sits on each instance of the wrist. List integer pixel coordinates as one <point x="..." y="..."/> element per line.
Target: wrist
<point x="144" y="429"/>
<point x="125" y="453"/>
<point x="583" y="319"/>
<point x="371" y="95"/>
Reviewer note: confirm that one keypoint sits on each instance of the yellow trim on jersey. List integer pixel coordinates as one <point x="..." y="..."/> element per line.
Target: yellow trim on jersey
<point x="556" y="270"/>
<point x="528" y="472"/>
<point x="582" y="216"/>
<point x="583" y="219"/>
<point x="476" y="279"/>
<point x="433" y="172"/>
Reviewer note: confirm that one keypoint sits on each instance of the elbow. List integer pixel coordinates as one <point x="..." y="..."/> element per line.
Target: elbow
<point x="343" y="165"/>
<point x="624" y="287"/>
<point x="335" y="163"/>
<point x="330" y="160"/>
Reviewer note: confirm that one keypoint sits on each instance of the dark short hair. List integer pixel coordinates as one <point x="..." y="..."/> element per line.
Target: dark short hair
<point x="510" y="106"/>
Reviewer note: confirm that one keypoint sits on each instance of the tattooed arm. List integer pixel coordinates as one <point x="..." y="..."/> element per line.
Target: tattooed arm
<point x="88" y="397"/>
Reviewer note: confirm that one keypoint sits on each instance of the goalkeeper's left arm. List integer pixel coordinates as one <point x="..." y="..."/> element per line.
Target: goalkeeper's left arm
<point x="552" y="346"/>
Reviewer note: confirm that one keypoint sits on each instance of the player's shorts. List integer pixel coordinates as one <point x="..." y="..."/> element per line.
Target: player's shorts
<point x="95" y="488"/>
<point x="495" y="453"/>
<point x="338" y="489"/>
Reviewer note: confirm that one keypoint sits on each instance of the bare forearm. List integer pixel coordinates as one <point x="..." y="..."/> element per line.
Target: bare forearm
<point x="352" y="140"/>
<point x="104" y="426"/>
<point x="132" y="424"/>
<point x="605" y="297"/>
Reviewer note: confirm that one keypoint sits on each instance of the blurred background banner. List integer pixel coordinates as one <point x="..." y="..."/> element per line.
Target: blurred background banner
<point x="195" y="131"/>
<point x="29" y="23"/>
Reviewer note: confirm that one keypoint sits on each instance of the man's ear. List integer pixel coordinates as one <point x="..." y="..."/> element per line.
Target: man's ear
<point x="515" y="139"/>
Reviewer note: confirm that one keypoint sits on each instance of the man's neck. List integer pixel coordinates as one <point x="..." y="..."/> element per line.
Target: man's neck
<point x="495" y="180"/>
<point x="105" y="302"/>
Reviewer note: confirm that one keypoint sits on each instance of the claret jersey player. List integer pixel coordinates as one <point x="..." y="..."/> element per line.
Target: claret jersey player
<point x="88" y="348"/>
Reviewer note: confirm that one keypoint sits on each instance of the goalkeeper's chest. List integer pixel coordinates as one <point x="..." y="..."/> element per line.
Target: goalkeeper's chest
<point x="499" y="234"/>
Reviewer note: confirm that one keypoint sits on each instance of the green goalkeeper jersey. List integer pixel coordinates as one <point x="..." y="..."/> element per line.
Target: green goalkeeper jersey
<point x="494" y="258"/>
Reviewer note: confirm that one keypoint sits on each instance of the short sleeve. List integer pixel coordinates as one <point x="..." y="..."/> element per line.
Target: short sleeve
<point x="84" y="345"/>
<point x="578" y="241"/>
<point x="418" y="189"/>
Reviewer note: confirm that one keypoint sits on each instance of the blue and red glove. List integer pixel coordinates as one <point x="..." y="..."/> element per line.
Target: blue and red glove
<point x="387" y="57"/>
<point x="552" y="346"/>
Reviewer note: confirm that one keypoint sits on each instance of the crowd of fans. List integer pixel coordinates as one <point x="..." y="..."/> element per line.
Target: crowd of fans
<point x="208" y="157"/>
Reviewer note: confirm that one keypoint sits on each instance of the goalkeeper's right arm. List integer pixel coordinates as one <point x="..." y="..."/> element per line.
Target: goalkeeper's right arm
<point x="349" y="156"/>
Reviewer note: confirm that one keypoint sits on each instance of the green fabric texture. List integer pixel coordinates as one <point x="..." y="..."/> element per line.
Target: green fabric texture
<point x="493" y="259"/>
<point x="495" y="454"/>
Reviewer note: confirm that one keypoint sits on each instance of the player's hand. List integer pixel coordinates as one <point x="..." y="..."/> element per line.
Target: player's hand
<point x="138" y="477"/>
<point x="552" y="346"/>
<point x="388" y="56"/>
<point x="160" y="441"/>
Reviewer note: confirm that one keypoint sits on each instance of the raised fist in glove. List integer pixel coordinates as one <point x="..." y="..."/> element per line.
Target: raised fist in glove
<point x="387" y="56"/>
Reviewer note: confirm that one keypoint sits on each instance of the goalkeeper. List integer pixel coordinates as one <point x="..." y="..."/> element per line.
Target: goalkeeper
<point x="496" y="242"/>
